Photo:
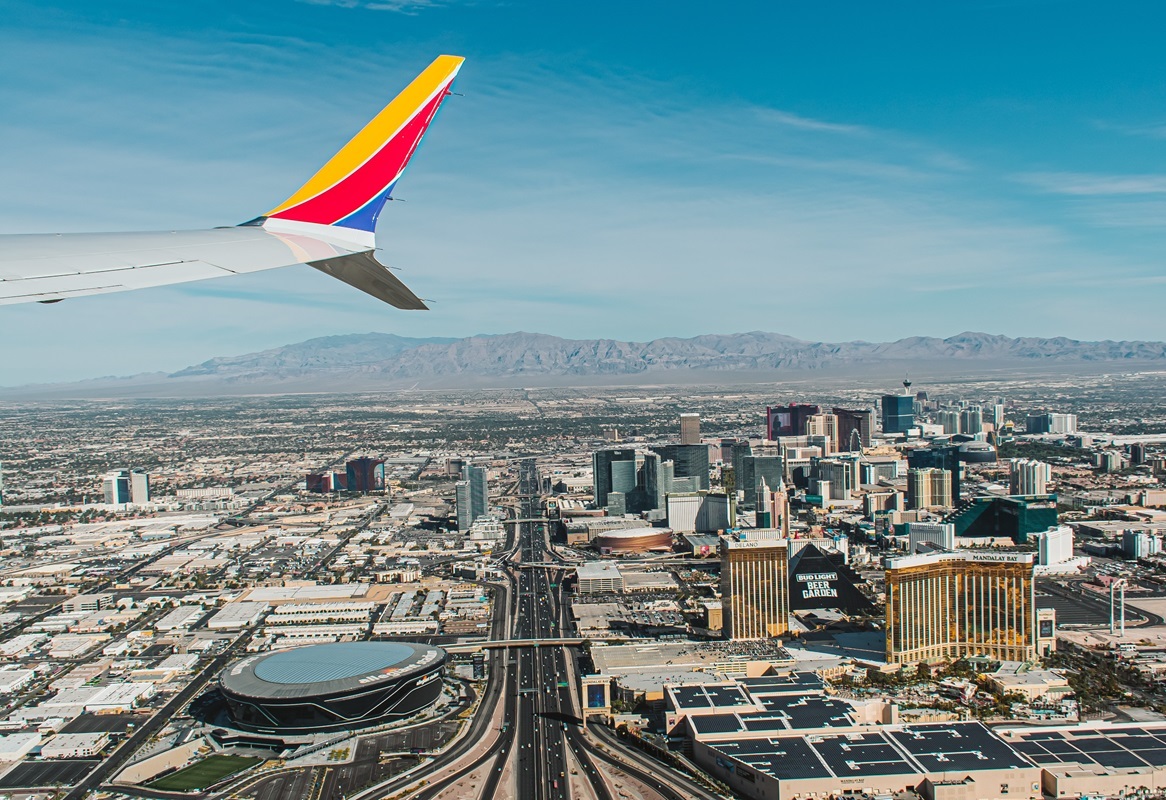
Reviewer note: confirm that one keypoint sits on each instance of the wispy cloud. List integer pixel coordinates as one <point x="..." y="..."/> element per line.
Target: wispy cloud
<point x="1155" y="130"/>
<point x="1085" y="184"/>
<point x="399" y="6"/>
<point x="581" y="202"/>
<point x="788" y="119"/>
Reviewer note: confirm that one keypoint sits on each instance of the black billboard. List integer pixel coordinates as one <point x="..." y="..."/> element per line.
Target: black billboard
<point x="819" y="580"/>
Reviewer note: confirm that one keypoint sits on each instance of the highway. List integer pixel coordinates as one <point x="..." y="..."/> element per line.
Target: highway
<point x="527" y="755"/>
<point x="546" y="721"/>
<point x="538" y="720"/>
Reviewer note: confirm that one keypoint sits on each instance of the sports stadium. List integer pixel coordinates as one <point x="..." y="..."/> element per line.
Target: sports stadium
<point x="328" y="687"/>
<point x="634" y="540"/>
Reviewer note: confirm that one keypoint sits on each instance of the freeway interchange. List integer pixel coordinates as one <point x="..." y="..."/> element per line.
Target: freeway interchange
<point x="526" y="737"/>
<point x="538" y="748"/>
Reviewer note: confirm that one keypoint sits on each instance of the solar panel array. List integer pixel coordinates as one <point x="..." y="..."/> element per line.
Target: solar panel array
<point x="860" y="754"/>
<point x="1115" y="748"/>
<point x="704" y="696"/>
<point x="965" y="746"/>
<point x="958" y="746"/>
<point x="810" y="711"/>
<point x="790" y="758"/>
<point x="783" y="713"/>
<point x="793" y="682"/>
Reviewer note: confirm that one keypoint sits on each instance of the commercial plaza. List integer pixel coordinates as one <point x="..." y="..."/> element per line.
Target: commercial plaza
<point x="782" y="736"/>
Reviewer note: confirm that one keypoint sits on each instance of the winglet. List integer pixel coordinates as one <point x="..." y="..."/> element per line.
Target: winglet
<point x="348" y="192"/>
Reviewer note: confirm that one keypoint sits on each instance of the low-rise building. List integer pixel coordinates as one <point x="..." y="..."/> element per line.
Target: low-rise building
<point x="75" y="745"/>
<point x="598" y="578"/>
<point x="87" y="602"/>
<point x="236" y="616"/>
<point x="15" y="746"/>
<point x="120" y="698"/>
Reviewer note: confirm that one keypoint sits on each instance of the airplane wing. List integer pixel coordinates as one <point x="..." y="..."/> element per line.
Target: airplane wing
<point x="329" y="223"/>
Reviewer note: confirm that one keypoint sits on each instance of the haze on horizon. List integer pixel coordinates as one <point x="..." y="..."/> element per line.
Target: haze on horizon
<point x="831" y="173"/>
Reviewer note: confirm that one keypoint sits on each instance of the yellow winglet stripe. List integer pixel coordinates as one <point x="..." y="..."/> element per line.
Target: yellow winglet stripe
<point x="372" y="136"/>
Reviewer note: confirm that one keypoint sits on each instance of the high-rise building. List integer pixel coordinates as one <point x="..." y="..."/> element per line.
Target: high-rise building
<point x="1137" y="454"/>
<point x="115" y="486"/>
<point x="688" y="461"/>
<point x="753" y="469"/>
<point x="366" y="475"/>
<point x="929" y="488"/>
<point x="612" y="470"/>
<point x="764" y="517"/>
<point x="826" y="426"/>
<point x="121" y="486"/>
<point x="1051" y="422"/>
<point x="1109" y="460"/>
<point x="841" y="473"/>
<point x="698" y="512"/>
<point x="946" y="606"/>
<point x="690" y="428"/>
<point x="788" y="420"/>
<point x="871" y="471"/>
<point x="325" y="482"/>
<point x="854" y="427"/>
<point x="754" y="588"/>
<point x="1015" y="517"/>
<point x="998" y="416"/>
<point x="1139" y="544"/>
<point x="972" y="420"/>
<point x="779" y="519"/>
<point x="940" y="534"/>
<point x="1054" y="546"/>
<point x="740" y="450"/>
<point x="465" y="505"/>
<point x="1029" y="477"/>
<point x="898" y="413"/>
<point x="617" y="504"/>
<point x="139" y="487"/>
<point x="657" y="481"/>
<point x="939" y="457"/>
<point x="949" y="418"/>
<point x="479" y="491"/>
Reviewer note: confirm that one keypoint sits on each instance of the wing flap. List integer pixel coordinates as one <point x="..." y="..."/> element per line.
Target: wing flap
<point x="55" y="267"/>
<point x="51" y="287"/>
<point x="71" y="265"/>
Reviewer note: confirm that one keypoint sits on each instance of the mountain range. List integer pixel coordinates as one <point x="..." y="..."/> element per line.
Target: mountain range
<point x="381" y="361"/>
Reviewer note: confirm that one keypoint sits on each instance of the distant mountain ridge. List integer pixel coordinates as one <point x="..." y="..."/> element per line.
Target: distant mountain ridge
<point x="516" y="354"/>
<point x="370" y="361"/>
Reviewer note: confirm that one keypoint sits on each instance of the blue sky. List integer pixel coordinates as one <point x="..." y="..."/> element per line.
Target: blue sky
<point x="831" y="171"/>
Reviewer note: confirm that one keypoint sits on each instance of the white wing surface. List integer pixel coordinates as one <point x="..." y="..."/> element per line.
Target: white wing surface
<point x="329" y="223"/>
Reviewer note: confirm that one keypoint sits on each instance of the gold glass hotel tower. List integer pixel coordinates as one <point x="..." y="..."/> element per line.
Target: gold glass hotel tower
<point x="943" y="606"/>
<point x="754" y="588"/>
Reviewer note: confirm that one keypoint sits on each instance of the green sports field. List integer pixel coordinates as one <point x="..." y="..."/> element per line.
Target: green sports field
<point x="203" y="774"/>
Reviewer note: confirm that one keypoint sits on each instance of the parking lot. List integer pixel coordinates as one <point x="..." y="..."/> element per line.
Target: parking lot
<point x="29" y="774"/>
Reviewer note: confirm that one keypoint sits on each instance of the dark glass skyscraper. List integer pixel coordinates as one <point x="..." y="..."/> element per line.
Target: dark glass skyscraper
<point x="612" y="471"/>
<point x="689" y="461"/>
<point x="753" y="469"/>
<point x="479" y="492"/>
<point x="898" y="413"/>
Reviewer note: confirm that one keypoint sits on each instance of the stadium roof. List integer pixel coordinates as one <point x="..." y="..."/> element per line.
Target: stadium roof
<point x="326" y="668"/>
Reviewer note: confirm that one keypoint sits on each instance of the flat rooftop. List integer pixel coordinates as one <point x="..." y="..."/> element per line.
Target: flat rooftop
<point x="783" y="713"/>
<point x="1112" y="748"/>
<point x="915" y="750"/>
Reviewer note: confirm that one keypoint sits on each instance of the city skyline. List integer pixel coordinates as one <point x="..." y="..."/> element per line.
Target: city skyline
<point x="571" y="185"/>
<point x="262" y="572"/>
